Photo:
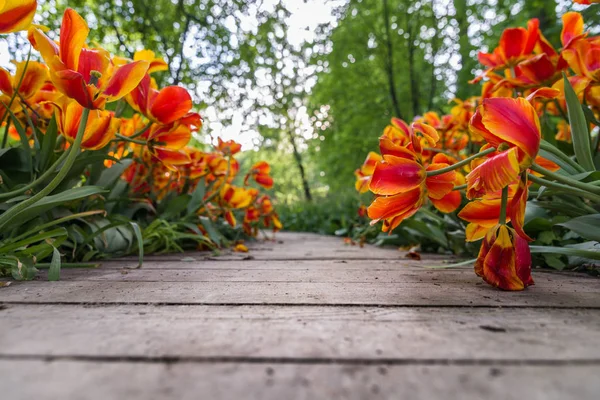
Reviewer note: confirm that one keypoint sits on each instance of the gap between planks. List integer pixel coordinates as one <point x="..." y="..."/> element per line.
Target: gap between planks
<point x="305" y="361"/>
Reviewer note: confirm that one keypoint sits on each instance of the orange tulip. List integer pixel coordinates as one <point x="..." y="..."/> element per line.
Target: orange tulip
<point x="72" y="65"/>
<point x="165" y="106"/>
<point x="505" y="122"/>
<point x="32" y="76"/>
<point x="16" y="15"/>
<point x="516" y="44"/>
<point x="504" y="260"/>
<point x="260" y="173"/>
<point x="400" y="179"/>
<point x="586" y="2"/>
<point x="99" y="130"/>
<point x="229" y="147"/>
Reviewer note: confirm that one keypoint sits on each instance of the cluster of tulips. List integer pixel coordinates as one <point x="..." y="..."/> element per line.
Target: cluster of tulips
<point x="72" y="88"/>
<point x="487" y="148"/>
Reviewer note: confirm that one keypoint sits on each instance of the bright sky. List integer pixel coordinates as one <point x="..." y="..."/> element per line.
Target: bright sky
<point x="305" y="16"/>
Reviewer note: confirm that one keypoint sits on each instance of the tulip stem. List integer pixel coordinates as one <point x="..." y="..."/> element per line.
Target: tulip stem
<point x="460" y="187"/>
<point x="141" y="131"/>
<point x="551" y="149"/>
<point x="503" y="206"/>
<point x="42" y="178"/>
<point x="461" y="163"/>
<point x="12" y="212"/>
<point x="127" y="139"/>
<point x="564" y="188"/>
<point x="564" y="179"/>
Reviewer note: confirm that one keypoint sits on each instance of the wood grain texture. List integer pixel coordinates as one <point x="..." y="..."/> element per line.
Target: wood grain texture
<point x="469" y="291"/>
<point x="367" y="333"/>
<point x="26" y="380"/>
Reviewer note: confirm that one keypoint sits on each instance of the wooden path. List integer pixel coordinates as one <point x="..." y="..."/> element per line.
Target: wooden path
<point x="302" y="318"/>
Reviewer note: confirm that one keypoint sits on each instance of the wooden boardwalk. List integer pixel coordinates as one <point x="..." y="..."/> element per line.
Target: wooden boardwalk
<point x="302" y="318"/>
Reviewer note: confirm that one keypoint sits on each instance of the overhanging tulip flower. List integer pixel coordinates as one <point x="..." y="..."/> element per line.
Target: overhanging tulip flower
<point x="16" y="15"/>
<point x="504" y="259"/>
<point x="401" y="183"/>
<point x="73" y="66"/>
<point x="505" y="123"/>
<point x="100" y="128"/>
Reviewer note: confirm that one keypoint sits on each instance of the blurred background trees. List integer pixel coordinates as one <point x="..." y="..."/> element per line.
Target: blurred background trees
<point x="310" y="84"/>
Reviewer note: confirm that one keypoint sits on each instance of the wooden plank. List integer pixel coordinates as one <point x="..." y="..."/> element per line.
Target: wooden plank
<point x="26" y="380"/>
<point x="302" y="332"/>
<point x="300" y="271"/>
<point x="287" y="265"/>
<point x="294" y="246"/>
<point x="469" y="291"/>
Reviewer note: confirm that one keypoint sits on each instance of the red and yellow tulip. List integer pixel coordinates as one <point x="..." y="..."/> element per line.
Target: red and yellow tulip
<point x="100" y="128"/>
<point x="260" y="172"/>
<point x="504" y="260"/>
<point x="73" y="65"/>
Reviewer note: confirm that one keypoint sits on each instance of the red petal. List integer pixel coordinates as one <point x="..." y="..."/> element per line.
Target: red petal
<point x="395" y="175"/>
<point x="172" y="103"/>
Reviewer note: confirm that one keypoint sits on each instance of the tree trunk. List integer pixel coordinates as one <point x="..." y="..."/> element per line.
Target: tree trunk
<point x="463" y="88"/>
<point x="414" y="84"/>
<point x="299" y="163"/>
<point x="389" y="62"/>
<point x="435" y="48"/>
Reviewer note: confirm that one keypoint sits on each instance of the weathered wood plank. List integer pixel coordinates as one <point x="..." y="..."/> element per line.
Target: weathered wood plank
<point x="467" y="292"/>
<point x="301" y="332"/>
<point x="301" y="271"/>
<point x="196" y="263"/>
<point x="295" y="246"/>
<point x="26" y="380"/>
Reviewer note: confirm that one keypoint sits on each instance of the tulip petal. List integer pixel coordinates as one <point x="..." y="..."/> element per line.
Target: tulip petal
<point x="388" y="147"/>
<point x="512" y="43"/>
<point x="484" y="212"/>
<point x="475" y="232"/>
<point x="449" y="203"/>
<point x="171" y="157"/>
<point x="34" y="74"/>
<point x="514" y="121"/>
<point x="572" y="27"/>
<point x="6" y="82"/>
<point x="395" y="175"/>
<point x="171" y="103"/>
<point x="125" y="79"/>
<point x="16" y="15"/>
<point x="400" y="206"/>
<point x="516" y="209"/>
<point x="493" y="174"/>
<point x="439" y="186"/>
<point x="523" y="261"/>
<point x="73" y="33"/>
